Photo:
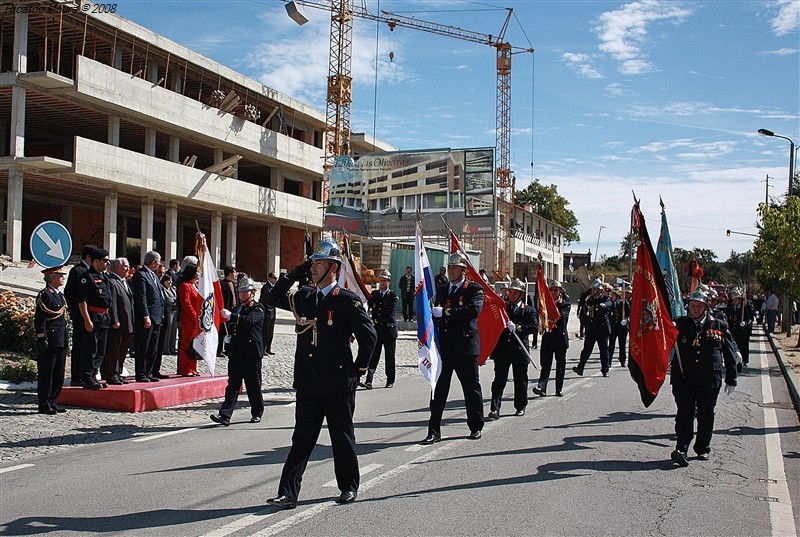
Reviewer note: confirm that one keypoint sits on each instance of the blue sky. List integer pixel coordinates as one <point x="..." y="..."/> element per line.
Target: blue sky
<point x="663" y="98"/>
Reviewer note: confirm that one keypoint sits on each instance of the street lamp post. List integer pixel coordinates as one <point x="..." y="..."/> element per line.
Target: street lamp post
<point x="598" y="243"/>
<point x="765" y="132"/>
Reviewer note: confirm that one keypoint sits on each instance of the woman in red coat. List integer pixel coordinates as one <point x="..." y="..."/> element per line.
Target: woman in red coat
<point x="190" y="303"/>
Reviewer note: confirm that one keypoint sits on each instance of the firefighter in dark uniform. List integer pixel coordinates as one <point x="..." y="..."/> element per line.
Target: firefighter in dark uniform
<point x="598" y="328"/>
<point x="382" y="304"/>
<point x="95" y="295"/>
<point x="523" y="321"/>
<point x="696" y="375"/>
<point x="555" y="344"/>
<point x="325" y="374"/>
<point x="458" y="305"/>
<point x="245" y="354"/>
<point x="50" y="324"/>
<point x="740" y="320"/>
<point x="619" y="315"/>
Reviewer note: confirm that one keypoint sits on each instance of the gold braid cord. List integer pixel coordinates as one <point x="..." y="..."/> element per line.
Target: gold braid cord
<point x="54" y="313"/>
<point x="303" y="324"/>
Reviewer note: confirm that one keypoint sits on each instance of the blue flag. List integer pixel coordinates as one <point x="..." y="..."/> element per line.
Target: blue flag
<point x="665" y="261"/>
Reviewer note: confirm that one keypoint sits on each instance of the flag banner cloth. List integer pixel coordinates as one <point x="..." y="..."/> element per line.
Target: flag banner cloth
<point x="548" y="311"/>
<point x="493" y="318"/>
<point x="208" y="287"/>
<point x="652" y="332"/>
<point x="696" y="274"/>
<point x="666" y="261"/>
<point x="430" y="362"/>
<point x="348" y="276"/>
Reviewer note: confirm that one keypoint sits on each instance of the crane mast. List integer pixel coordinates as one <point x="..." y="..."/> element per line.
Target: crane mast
<point x="339" y="99"/>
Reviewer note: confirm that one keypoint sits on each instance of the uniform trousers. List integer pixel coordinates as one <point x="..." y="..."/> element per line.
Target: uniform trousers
<point x="742" y="340"/>
<point x="520" y="370"/>
<point x="694" y="400"/>
<point x="268" y="333"/>
<point x="408" y="306"/>
<point x="588" y="347"/>
<point x="116" y="350"/>
<point x="146" y="348"/>
<point x="337" y="410"/>
<point x="248" y="371"/>
<point x="78" y="331"/>
<point x="50" y="363"/>
<point x="617" y="334"/>
<point x="466" y="369"/>
<point x="94" y="351"/>
<point x="390" y="345"/>
<point x="546" y="355"/>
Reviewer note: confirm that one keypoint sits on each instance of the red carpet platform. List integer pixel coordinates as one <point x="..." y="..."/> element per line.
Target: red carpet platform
<point x="141" y="396"/>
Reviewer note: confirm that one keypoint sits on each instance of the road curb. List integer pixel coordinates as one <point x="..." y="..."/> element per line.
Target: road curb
<point x="791" y="379"/>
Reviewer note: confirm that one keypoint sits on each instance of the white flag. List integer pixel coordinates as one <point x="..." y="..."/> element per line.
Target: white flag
<point x="206" y="342"/>
<point x="430" y="363"/>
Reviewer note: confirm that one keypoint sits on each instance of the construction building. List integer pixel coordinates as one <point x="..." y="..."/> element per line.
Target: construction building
<point x="133" y="141"/>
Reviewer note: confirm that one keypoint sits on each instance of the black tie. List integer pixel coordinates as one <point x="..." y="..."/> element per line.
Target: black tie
<point x="320" y="296"/>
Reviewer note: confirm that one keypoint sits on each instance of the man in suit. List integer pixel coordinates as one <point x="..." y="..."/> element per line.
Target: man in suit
<point x="119" y="337"/>
<point x="440" y="279"/>
<point x="95" y="296"/>
<point x="71" y="296"/>
<point x="269" y="313"/>
<point x="229" y="302"/>
<point x="172" y="335"/>
<point x="458" y="305"/>
<point x="407" y="294"/>
<point x="325" y="375"/>
<point x="382" y="303"/>
<point x="598" y="328"/>
<point x="148" y="314"/>
<point x="50" y="324"/>
<point x="245" y="353"/>
<point x="507" y="353"/>
<point x="555" y="344"/>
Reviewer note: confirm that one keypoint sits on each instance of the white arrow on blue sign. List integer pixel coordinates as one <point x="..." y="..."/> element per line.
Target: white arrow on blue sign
<point x="51" y="244"/>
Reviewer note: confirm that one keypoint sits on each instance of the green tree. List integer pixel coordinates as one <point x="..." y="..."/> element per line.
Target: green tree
<point x="740" y="269"/>
<point x="547" y="203"/>
<point x="777" y="249"/>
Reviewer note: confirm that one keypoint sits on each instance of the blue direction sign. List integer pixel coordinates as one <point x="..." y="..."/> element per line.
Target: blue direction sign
<point x="51" y="244"/>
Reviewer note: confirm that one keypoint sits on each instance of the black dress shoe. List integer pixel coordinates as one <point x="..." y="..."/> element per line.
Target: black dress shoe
<point x="115" y="381"/>
<point x="92" y="385"/>
<point x="475" y="435"/>
<point x="494" y="415"/>
<point x="680" y="458"/>
<point x="559" y="394"/>
<point x="347" y="497"/>
<point x="76" y="383"/>
<point x="142" y="379"/>
<point x="122" y="380"/>
<point x="153" y="379"/>
<point x="389" y="384"/>
<point x="46" y="410"/>
<point x="255" y="419"/>
<point x="57" y="408"/>
<point x="520" y="412"/>
<point x="160" y="376"/>
<point x="538" y="391"/>
<point x="283" y="501"/>
<point x="222" y="420"/>
<point x="578" y="371"/>
<point x="431" y="439"/>
<point x="605" y="373"/>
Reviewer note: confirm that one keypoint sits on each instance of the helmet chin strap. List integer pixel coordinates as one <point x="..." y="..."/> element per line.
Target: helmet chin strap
<point x="325" y="274"/>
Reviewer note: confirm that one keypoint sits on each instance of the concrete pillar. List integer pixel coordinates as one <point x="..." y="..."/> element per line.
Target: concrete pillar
<point x="274" y="249"/>
<point x="171" y="232"/>
<point x="176" y="79"/>
<point x="150" y="142"/>
<point x="110" y="225"/>
<point x="215" y="244"/>
<point x="274" y="177"/>
<point x="230" y="240"/>
<point x="118" y="57"/>
<point x="20" y="54"/>
<point x="14" y="215"/>
<point x="18" y="99"/>
<point x="113" y="130"/>
<point x="147" y="228"/>
<point x="152" y="71"/>
<point x="174" y="153"/>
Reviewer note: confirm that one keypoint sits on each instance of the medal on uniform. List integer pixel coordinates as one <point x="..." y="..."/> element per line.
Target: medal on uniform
<point x="330" y="318"/>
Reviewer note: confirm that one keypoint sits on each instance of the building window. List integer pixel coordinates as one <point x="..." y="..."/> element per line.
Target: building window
<point x="292" y="187"/>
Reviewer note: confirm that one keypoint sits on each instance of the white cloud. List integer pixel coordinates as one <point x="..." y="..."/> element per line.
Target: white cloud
<point x="787" y="20"/>
<point x="623" y="32"/>
<point x="618" y="90"/>
<point x="781" y="52"/>
<point x="582" y="64"/>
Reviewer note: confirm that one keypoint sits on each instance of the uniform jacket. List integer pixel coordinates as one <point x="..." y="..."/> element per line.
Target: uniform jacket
<point x="230" y="298"/>
<point x="526" y="320"/>
<point x="263" y="298"/>
<point x="71" y="288"/>
<point x="49" y="319"/>
<point x="738" y="314"/>
<point x="597" y="311"/>
<point x="704" y="353"/>
<point x="458" y="325"/>
<point x="147" y="299"/>
<point x="382" y="309"/>
<point x="95" y="289"/>
<point x="558" y="337"/>
<point x="326" y="368"/>
<point x="122" y="306"/>
<point x="244" y="327"/>
<point x="619" y="313"/>
<point x="405" y="283"/>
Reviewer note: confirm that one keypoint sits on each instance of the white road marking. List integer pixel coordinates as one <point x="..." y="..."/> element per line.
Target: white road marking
<point x="244" y="522"/>
<point x="12" y="468"/>
<point x="781" y="515"/>
<point x="162" y="435"/>
<point x="365" y="470"/>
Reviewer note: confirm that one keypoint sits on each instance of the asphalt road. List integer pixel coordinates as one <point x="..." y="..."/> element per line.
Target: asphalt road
<point x="594" y="462"/>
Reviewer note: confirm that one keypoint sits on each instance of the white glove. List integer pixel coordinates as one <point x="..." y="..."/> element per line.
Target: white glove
<point x="624" y="322"/>
<point x="742" y="323"/>
<point x="738" y="357"/>
<point x="511" y="326"/>
<point x="226" y="314"/>
<point x="729" y="389"/>
<point x="436" y="311"/>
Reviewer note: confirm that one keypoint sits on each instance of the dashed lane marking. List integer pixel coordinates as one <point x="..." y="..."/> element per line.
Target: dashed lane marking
<point x="365" y="470"/>
<point x="162" y="435"/>
<point x="12" y="468"/>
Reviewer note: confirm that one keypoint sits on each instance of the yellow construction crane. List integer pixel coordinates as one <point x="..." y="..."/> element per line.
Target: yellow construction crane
<point x="340" y="94"/>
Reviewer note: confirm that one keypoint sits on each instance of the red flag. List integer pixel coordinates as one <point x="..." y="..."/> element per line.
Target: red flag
<point x="548" y="311"/>
<point x="349" y="278"/>
<point x="493" y="318"/>
<point x="652" y="332"/>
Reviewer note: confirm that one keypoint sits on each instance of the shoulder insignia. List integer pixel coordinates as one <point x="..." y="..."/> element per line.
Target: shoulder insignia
<point x="336" y="291"/>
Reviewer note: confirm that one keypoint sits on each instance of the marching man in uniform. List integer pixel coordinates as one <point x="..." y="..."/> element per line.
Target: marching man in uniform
<point x="382" y="303"/>
<point x="51" y="341"/>
<point x="325" y="375"/>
